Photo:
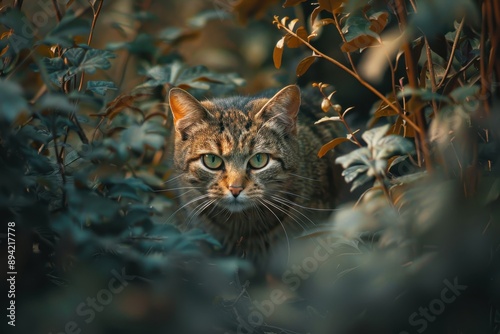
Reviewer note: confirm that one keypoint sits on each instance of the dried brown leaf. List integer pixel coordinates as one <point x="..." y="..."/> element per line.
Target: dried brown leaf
<point x="291" y="3"/>
<point x="332" y="6"/>
<point x="331" y="145"/>
<point x="246" y="9"/>
<point x="294" y="42"/>
<point x="278" y="52"/>
<point x="304" y="65"/>
<point x="379" y="21"/>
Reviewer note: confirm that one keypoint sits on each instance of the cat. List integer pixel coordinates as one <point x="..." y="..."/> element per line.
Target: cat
<point x="248" y="171"/>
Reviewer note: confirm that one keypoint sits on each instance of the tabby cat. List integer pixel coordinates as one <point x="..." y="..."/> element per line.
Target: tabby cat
<point x="248" y="167"/>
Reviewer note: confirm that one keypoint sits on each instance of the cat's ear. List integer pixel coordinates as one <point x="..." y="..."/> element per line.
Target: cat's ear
<point x="282" y="109"/>
<point x="186" y="109"/>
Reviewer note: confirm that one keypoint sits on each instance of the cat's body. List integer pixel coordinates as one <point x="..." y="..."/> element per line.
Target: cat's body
<point x="248" y="168"/>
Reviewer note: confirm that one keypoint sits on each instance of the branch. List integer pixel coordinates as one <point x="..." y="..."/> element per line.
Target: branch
<point x="452" y="54"/>
<point x="353" y="74"/>
<point x="430" y="66"/>
<point x="56" y="9"/>
<point x="337" y="24"/>
<point x="411" y="71"/>
<point x="91" y="34"/>
<point x="18" y="4"/>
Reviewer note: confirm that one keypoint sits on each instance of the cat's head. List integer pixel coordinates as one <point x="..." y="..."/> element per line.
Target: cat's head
<point x="235" y="152"/>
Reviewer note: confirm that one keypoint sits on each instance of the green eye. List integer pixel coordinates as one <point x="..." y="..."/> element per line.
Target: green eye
<point x="259" y="160"/>
<point x="211" y="161"/>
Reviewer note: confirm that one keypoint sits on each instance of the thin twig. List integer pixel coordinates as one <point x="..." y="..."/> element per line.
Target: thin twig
<point x="18" y="4"/>
<point x="411" y="70"/>
<point x="452" y="54"/>
<point x="393" y="77"/>
<point x="430" y="66"/>
<point x="56" y="9"/>
<point x="91" y="34"/>
<point x="482" y="58"/>
<point x="337" y="25"/>
<point x="341" y="118"/>
<point x="494" y="32"/>
<point x="60" y="162"/>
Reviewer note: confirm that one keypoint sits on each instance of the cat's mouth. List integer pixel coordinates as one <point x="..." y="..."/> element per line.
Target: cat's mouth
<point x="237" y="204"/>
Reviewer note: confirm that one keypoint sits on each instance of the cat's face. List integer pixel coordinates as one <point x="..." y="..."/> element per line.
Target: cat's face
<point x="233" y="153"/>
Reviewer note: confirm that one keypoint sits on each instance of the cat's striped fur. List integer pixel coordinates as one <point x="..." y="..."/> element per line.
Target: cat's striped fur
<point x="245" y="208"/>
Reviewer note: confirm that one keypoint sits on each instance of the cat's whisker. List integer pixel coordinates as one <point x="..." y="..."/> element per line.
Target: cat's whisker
<point x="213" y="208"/>
<point x="300" y="206"/>
<point x="198" y="210"/>
<point x="283" y="226"/>
<point x="275" y="205"/>
<point x="188" y="203"/>
<point x="293" y="194"/>
<point x="172" y="179"/>
<point x="305" y="178"/>
<point x="277" y="199"/>
<point x="172" y="189"/>
<point x="183" y="194"/>
<point x="228" y="216"/>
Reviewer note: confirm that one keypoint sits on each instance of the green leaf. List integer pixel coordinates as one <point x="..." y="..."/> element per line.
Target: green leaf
<point x="202" y="18"/>
<point x="424" y="94"/>
<point x="52" y="65"/>
<point x="464" y="93"/>
<point x="75" y="55"/>
<point x="361" y="180"/>
<point x="160" y="75"/>
<point x="65" y="31"/>
<point x="143" y="44"/>
<point x="392" y="145"/>
<point x="101" y="87"/>
<point x="93" y="60"/>
<point x="353" y="172"/>
<point x="179" y="75"/>
<point x="372" y="136"/>
<point x="55" y="69"/>
<point x="148" y="134"/>
<point x="23" y="31"/>
<point x="359" y="156"/>
<point x="12" y="101"/>
<point x="55" y="101"/>
<point x="358" y="33"/>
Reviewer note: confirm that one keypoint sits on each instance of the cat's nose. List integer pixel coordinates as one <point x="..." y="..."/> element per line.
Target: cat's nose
<point x="235" y="190"/>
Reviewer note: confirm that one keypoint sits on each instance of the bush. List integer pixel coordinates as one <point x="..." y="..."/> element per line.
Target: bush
<point x="85" y="152"/>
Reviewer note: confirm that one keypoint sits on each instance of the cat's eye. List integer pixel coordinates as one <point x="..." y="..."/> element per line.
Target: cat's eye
<point x="212" y="161"/>
<point x="259" y="160"/>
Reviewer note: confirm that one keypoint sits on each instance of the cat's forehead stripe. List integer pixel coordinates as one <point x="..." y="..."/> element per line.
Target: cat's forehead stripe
<point x="231" y="134"/>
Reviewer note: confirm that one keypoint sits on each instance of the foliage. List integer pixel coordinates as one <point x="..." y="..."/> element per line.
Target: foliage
<point x="86" y="171"/>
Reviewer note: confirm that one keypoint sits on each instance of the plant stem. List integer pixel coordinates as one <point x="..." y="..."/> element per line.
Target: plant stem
<point x="452" y="54"/>
<point x="56" y="9"/>
<point x="18" y="4"/>
<point x="60" y="162"/>
<point x="337" y="25"/>
<point x="91" y="34"/>
<point x="482" y="59"/>
<point x="342" y="119"/>
<point x="430" y="66"/>
<point x="420" y="138"/>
